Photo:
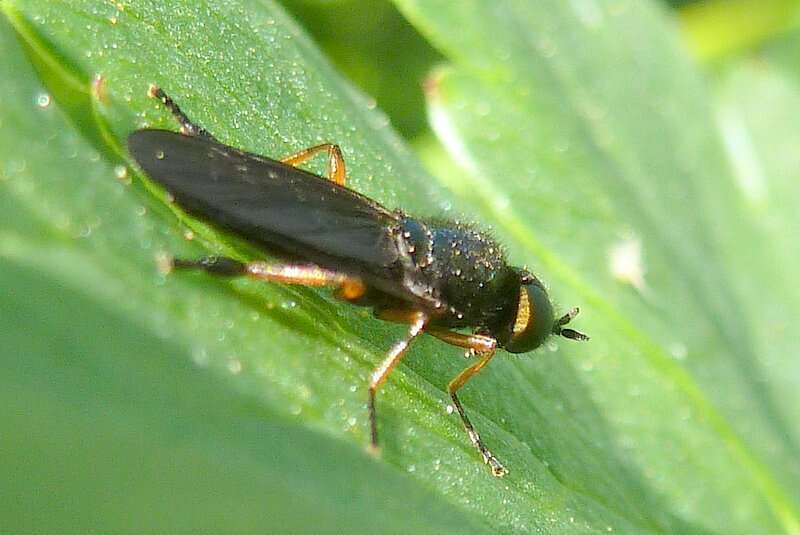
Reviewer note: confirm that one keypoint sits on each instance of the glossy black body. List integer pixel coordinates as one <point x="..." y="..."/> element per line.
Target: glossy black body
<point x="466" y="271"/>
<point x="451" y="271"/>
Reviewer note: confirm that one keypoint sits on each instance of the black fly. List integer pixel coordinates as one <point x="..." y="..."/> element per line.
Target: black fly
<point x="437" y="277"/>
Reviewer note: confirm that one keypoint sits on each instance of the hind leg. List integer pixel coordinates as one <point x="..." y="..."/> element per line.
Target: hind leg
<point x="188" y="128"/>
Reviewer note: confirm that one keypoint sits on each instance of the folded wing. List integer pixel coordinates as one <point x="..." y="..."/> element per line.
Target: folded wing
<point x="282" y="209"/>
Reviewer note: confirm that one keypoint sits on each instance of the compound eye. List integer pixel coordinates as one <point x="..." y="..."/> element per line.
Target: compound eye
<point x="534" y="320"/>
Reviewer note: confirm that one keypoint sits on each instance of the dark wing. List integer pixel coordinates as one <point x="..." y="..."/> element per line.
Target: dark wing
<point x="280" y="208"/>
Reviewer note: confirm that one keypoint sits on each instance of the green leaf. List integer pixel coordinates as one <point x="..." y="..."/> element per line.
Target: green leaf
<point x="363" y="44"/>
<point x="718" y="28"/>
<point x="584" y="133"/>
<point x="137" y="402"/>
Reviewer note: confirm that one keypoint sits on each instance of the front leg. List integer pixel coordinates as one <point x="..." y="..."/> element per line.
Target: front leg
<point x="484" y="347"/>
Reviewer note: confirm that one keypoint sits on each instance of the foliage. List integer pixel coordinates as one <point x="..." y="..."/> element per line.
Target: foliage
<point x="582" y="133"/>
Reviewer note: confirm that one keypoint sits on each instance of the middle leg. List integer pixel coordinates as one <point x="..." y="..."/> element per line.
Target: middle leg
<point x="347" y="287"/>
<point x="417" y="324"/>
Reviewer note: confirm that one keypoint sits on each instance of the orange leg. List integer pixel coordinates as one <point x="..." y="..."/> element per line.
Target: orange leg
<point x="484" y="347"/>
<point x="405" y="316"/>
<point x="336" y="168"/>
<point x="348" y="288"/>
<point x="417" y="325"/>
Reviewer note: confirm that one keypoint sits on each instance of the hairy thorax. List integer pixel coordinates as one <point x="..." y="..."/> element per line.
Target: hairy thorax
<point x="465" y="269"/>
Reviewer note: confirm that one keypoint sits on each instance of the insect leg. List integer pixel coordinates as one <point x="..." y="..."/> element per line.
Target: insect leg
<point x="336" y="168"/>
<point x="188" y="128"/>
<point x="484" y="347"/>
<point x="348" y="287"/>
<point x="382" y="372"/>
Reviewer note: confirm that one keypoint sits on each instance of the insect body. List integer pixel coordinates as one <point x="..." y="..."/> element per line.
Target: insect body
<point x="437" y="277"/>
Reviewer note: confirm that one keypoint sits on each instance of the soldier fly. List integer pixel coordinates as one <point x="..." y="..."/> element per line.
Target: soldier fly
<point x="435" y="276"/>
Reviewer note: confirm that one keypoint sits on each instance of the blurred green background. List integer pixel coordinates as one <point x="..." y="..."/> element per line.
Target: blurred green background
<point x="641" y="157"/>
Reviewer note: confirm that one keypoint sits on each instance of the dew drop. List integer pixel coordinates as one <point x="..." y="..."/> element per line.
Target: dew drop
<point x="235" y="366"/>
<point x="43" y="100"/>
<point x="625" y="262"/>
<point x="200" y="357"/>
<point x="678" y="351"/>
<point x="121" y="174"/>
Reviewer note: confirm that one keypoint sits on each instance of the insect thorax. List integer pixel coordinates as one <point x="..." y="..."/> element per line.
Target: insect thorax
<point x="466" y="269"/>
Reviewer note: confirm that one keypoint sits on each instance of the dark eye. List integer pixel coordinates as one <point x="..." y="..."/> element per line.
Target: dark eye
<point x="534" y="319"/>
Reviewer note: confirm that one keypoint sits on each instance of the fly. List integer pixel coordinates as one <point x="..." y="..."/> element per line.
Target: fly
<point x="443" y="278"/>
